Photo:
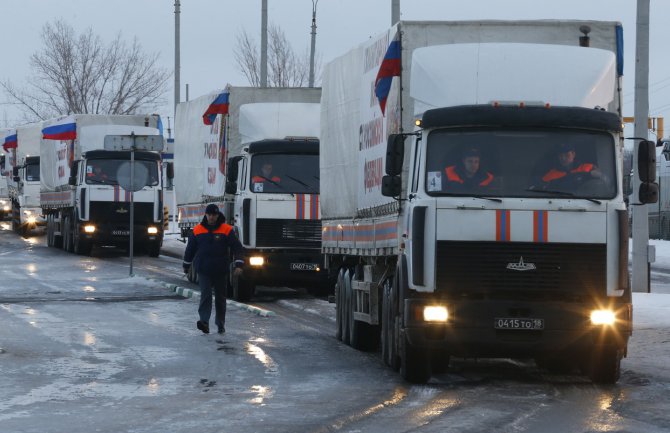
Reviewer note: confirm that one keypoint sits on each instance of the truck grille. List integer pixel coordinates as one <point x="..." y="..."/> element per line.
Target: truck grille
<point x="119" y="212"/>
<point x="480" y="270"/>
<point x="288" y="233"/>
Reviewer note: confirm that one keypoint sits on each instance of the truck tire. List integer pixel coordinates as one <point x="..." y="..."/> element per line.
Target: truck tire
<point x="338" y="304"/>
<point x="192" y="275"/>
<point x="67" y="234"/>
<point x="154" y="249"/>
<point x="243" y="288"/>
<point x="81" y="246"/>
<point x="605" y="366"/>
<point x="346" y="307"/>
<point x="414" y="363"/>
<point x="388" y="351"/>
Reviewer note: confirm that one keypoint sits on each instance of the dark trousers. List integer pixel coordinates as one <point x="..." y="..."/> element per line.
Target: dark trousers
<point x="219" y="284"/>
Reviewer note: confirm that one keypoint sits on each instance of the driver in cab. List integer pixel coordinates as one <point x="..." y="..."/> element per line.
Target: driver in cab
<point x="567" y="172"/>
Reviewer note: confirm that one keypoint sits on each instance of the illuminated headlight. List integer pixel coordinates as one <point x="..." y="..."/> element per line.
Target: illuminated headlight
<point x="256" y="261"/>
<point x="152" y="230"/>
<point x="435" y="313"/>
<point x="89" y="228"/>
<point x="603" y="317"/>
<point x="31" y="219"/>
<point x="6" y="208"/>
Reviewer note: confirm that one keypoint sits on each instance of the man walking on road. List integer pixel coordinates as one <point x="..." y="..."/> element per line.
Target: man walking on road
<point x="210" y="244"/>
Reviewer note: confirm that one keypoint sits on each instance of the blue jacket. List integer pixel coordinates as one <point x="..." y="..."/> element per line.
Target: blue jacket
<point x="211" y="247"/>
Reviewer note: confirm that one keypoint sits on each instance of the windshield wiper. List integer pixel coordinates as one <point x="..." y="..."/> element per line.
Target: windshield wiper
<point x="300" y="182"/>
<point x="563" y="194"/>
<point x="497" y="200"/>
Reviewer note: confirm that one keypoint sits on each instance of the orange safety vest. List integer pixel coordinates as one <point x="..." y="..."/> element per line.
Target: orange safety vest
<point x="555" y="174"/>
<point x="222" y="229"/>
<point x="453" y="176"/>
<point x="261" y="179"/>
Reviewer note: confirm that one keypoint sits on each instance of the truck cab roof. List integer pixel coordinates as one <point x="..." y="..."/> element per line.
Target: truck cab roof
<point x="287" y="145"/>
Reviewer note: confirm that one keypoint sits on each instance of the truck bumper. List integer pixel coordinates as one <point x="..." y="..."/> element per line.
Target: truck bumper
<point x="115" y="235"/>
<point x="290" y="268"/>
<point x="479" y="328"/>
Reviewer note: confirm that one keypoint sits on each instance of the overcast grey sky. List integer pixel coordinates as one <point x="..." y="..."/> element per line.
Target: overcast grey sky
<point x="209" y="29"/>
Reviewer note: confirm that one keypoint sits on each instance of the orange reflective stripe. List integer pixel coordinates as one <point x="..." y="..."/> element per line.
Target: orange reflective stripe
<point x="257" y="179"/>
<point x="553" y="174"/>
<point x="222" y="229"/>
<point x="489" y="179"/>
<point x="584" y="168"/>
<point x="452" y="175"/>
<point x="199" y="229"/>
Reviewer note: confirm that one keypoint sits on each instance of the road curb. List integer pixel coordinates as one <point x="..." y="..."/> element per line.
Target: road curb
<point x="190" y="293"/>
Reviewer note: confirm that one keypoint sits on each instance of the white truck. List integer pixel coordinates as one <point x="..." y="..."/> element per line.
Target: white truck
<point x="81" y="195"/>
<point x="24" y="184"/>
<point x="431" y="266"/>
<point x="5" y="172"/>
<point x="205" y="153"/>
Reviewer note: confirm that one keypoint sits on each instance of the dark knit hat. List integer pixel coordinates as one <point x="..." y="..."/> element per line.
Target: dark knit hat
<point x="565" y="147"/>
<point x="212" y="209"/>
<point x="471" y="151"/>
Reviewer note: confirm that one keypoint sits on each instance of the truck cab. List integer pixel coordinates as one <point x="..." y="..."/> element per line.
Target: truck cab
<point x="275" y="210"/>
<point x="25" y="196"/>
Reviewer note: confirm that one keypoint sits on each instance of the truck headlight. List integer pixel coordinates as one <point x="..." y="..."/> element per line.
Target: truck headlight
<point x="256" y="261"/>
<point x="89" y="228"/>
<point x="152" y="230"/>
<point x="6" y="208"/>
<point x="31" y="219"/>
<point x="435" y="313"/>
<point x="603" y="317"/>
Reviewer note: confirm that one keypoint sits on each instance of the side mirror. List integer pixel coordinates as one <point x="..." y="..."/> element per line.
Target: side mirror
<point x="231" y="187"/>
<point x="646" y="168"/>
<point x="72" y="180"/>
<point x="648" y="193"/>
<point x="233" y="169"/>
<point x="169" y="170"/>
<point x="646" y="161"/>
<point x="16" y="178"/>
<point x="395" y="153"/>
<point x="15" y="171"/>
<point x="391" y="186"/>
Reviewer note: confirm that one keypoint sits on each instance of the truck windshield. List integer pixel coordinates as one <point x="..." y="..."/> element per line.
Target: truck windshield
<point x="284" y="174"/>
<point x="536" y="163"/>
<point x="104" y="171"/>
<point x="32" y="172"/>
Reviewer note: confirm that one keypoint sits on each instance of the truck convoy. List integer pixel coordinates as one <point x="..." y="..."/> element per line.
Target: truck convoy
<point x="453" y="238"/>
<point x="276" y="214"/>
<point x="80" y="193"/>
<point x="24" y="183"/>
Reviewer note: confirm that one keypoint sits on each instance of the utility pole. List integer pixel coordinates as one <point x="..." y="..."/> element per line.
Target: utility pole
<point x="311" y="54"/>
<point x="640" y="212"/>
<point x="395" y="11"/>
<point x="264" y="43"/>
<point x="177" y="66"/>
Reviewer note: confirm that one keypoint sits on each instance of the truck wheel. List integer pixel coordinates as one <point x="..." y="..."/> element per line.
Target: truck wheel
<point x="192" y="275"/>
<point x="243" y="288"/>
<point x="346" y="307"/>
<point x="414" y="363"/>
<point x="363" y="336"/>
<point x="154" y="249"/>
<point x="339" y="300"/>
<point x="387" y="327"/>
<point x="605" y="365"/>
<point x="67" y="234"/>
<point x="50" y="232"/>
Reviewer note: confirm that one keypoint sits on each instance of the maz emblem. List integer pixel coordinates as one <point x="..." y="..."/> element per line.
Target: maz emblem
<point x="121" y="210"/>
<point x="521" y="265"/>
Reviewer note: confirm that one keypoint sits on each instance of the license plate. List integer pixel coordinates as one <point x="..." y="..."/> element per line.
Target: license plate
<point x="304" y="266"/>
<point x="518" y="323"/>
<point x="120" y="232"/>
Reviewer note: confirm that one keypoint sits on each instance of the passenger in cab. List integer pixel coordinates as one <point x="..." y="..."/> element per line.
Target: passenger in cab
<point x="260" y="181"/>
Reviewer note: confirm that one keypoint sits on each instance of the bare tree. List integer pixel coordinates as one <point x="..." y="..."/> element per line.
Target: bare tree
<point x="79" y="74"/>
<point x="285" y="67"/>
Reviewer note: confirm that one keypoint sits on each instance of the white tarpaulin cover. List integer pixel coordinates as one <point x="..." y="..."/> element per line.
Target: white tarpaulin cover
<point x="278" y="120"/>
<point x="89" y="130"/>
<point x="201" y="151"/>
<point x="484" y="73"/>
